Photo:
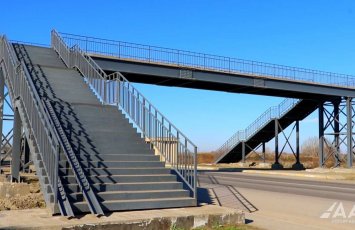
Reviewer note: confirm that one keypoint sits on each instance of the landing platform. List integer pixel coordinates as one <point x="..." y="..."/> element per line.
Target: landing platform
<point x="179" y="218"/>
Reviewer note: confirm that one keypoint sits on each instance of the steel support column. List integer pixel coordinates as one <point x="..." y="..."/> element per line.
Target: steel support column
<point x="336" y="133"/>
<point x="276" y="141"/>
<point x="243" y="151"/>
<point x="298" y="142"/>
<point x="2" y="101"/>
<point x="263" y="150"/>
<point x="16" y="148"/>
<point x="349" y="137"/>
<point x="321" y="135"/>
<point x="277" y="164"/>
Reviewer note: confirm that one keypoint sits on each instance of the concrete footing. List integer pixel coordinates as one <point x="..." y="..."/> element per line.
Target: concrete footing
<point x="277" y="166"/>
<point x="298" y="166"/>
<point x="178" y="218"/>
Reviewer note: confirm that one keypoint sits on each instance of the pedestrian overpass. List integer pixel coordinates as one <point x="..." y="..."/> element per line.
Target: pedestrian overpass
<point x="99" y="145"/>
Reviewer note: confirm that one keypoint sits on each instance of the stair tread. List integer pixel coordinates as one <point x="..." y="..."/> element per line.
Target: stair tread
<point x="135" y="191"/>
<point x="142" y="200"/>
<point x="158" y="167"/>
<point x="124" y="161"/>
<point x="132" y="183"/>
<point x="133" y="175"/>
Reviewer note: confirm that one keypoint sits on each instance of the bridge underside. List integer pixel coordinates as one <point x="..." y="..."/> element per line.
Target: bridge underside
<point x="166" y="75"/>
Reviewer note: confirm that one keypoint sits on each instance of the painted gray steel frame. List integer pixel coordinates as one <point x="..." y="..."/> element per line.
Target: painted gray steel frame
<point x="335" y="132"/>
<point x="235" y="83"/>
<point x="156" y="65"/>
<point x="116" y="90"/>
<point x="24" y="94"/>
<point x="200" y="61"/>
<point x="272" y="113"/>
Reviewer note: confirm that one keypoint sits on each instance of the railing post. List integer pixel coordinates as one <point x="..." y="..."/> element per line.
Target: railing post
<point x="119" y="49"/>
<point x="149" y="54"/>
<point x="105" y="92"/>
<point x="56" y="169"/>
<point x="195" y="172"/>
<point x="143" y="117"/>
<point x="229" y="64"/>
<point x="118" y="91"/>
<point x="177" y="149"/>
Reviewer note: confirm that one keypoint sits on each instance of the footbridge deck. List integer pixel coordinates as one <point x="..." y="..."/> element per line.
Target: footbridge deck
<point x="172" y="67"/>
<point x="211" y="79"/>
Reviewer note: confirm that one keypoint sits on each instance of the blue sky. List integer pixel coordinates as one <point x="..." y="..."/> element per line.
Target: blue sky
<point x="317" y="34"/>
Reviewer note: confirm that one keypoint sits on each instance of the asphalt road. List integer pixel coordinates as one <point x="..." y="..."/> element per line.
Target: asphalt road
<point x="284" y="203"/>
<point x="314" y="188"/>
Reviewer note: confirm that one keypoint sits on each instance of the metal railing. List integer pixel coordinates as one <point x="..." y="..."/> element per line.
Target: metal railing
<point x="60" y="48"/>
<point x="21" y="87"/>
<point x="181" y="58"/>
<point x="115" y="89"/>
<point x="272" y="113"/>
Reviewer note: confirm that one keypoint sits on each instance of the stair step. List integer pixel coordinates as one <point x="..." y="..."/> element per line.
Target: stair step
<point x="117" y="205"/>
<point x="126" y="148"/>
<point x="119" y="157"/>
<point x="123" y="178"/>
<point x="117" y="164"/>
<point x="132" y="195"/>
<point x="127" y="186"/>
<point x="119" y="171"/>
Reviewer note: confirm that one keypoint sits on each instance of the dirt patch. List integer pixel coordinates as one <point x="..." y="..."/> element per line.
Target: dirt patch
<point x="33" y="199"/>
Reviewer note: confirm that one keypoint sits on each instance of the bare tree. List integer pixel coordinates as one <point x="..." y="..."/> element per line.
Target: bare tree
<point x="310" y="146"/>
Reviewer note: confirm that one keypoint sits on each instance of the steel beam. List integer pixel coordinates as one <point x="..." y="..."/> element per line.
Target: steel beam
<point x="243" y="151"/>
<point x="263" y="150"/>
<point x="2" y="100"/>
<point x="297" y="142"/>
<point x="204" y="79"/>
<point x="336" y="125"/>
<point x="321" y="134"/>
<point x="16" y="148"/>
<point x="349" y="132"/>
<point x="276" y="141"/>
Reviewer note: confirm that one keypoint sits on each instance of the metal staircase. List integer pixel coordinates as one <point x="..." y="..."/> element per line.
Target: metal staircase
<point x="87" y="154"/>
<point x="263" y="129"/>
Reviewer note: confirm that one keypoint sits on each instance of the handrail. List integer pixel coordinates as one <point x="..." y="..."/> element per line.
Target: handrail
<point x="79" y="174"/>
<point x="182" y="58"/>
<point x="21" y="86"/>
<point x="61" y="49"/>
<point x="176" y="149"/>
<point x="270" y="114"/>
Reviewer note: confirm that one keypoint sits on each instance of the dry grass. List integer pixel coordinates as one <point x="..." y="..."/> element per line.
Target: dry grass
<point x="308" y="157"/>
<point x="286" y="159"/>
<point x="205" y="158"/>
